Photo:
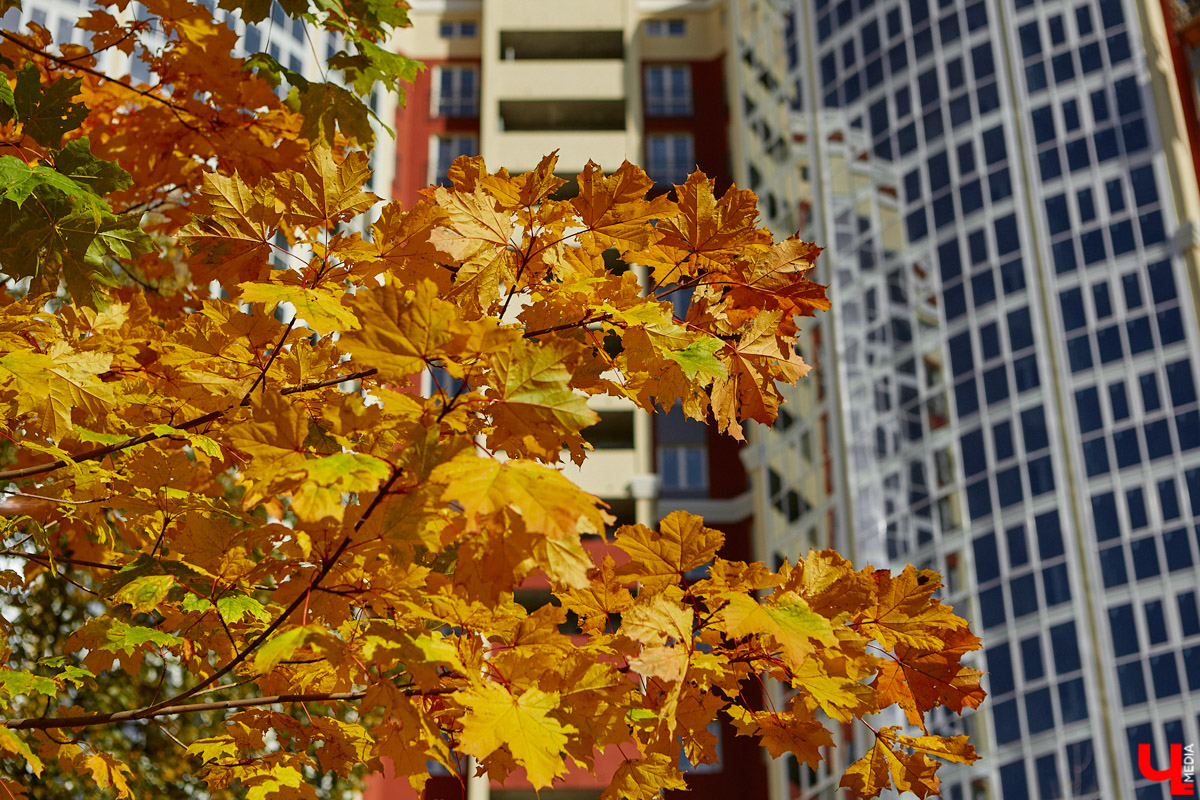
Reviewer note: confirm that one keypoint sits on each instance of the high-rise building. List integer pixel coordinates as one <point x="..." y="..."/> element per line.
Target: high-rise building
<point x="1006" y="386"/>
<point x="649" y="81"/>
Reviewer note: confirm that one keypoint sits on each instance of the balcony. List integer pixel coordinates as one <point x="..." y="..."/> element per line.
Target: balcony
<point x="548" y="80"/>
<point x="559" y="44"/>
<point x="548" y="14"/>
<point x="605" y="473"/>
<point x="522" y="151"/>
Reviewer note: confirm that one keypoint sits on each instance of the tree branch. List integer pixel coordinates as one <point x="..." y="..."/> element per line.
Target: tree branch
<point x="568" y="325"/>
<point x="88" y="720"/>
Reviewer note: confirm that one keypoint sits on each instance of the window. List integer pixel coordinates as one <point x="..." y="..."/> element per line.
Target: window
<point x="668" y="91"/>
<point x="458" y="92"/>
<point x="669" y="157"/>
<point x="666" y="27"/>
<point x="458" y="30"/>
<point x="445" y="150"/>
<point x="683" y="467"/>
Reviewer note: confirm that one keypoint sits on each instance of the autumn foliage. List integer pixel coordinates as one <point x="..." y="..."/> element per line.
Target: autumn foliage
<point x="212" y="437"/>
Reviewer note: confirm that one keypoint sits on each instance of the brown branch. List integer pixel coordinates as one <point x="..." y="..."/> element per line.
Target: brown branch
<point x="62" y="62"/>
<point x="88" y="720"/>
<point x="270" y="360"/>
<point x="568" y="325"/>
<point x="212" y="416"/>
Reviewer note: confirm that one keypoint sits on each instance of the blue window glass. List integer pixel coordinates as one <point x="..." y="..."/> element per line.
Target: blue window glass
<point x="1020" y="329"/>
<point x="1100" y="111"/>
<point x="1133" y="291"/>
<point x="1170" y="326"/>
<point x="983" y="288"/>
<point x="961" y="356"/>
<point x="1133" y="134"/>
<point x="912" y="186"/>
<point x="971" y="196"/>
<point x="1049" y="535"/>
<point x="1112" y="567"/>
<point x="1064" y="256"/>
<point x="976" y="16"/>
<point x="1039" y="712"/>
<point x="1140" y="338"/>
<point x="1179" y="379"/>
<point x="1129" y="97"/>
<point x="1108" y="342"/>
<point x="1081" y="766"/>
<point x="1083" y="20"/>
<point x="943" y="211"/>
<point x="1122" y="237"/>
<point x="898" y="58"/>
<point x="1000" y="186"/>
<point x="870" y="37"/>
<point x="933" y="126"/>
<point x="987" y="558"/>
<point x="1018" y="546"/>
<point x="875" y="72"/>
<point x="1031" y="40"/>
<point x="1127" y="448"/>
<point x="1189" y="620"/>
<point x="879" y="117"/>
<point x="1116" y="198"/>
<point x="1104" y="516"/>
<point x="1095" y="456"/>
<point x="966" y="398"/>
<point x="994" y="149"/>
<point x="1087" y="206"/>
<point x="1145" y="192"/>
<point x="1144" y="553"/>
<point x="1150" y="397"/>
<point x="1072" y="699"/>
<point x="1056" y="585"/>
<point x="1035" y="77"/>
<point x="1056" y="214"/>
<point x="1164" y="675"/>
<point x="999" y="668"/>
<point x="1041" y="476"/>
<point x="1101" y="300"/>
<point x="1188" y="427"/>
<point x="1118" y="401"/>
<point x="1106" y="144"/>
<point x="1087" y="406"/>
<point x="1033" y="426"/>
<point x="949" y="260"/>
<point x="977" y="246"/>
<point x="1168" y="499"/>
<point x="1043" y="124"/>
<point x="1178" y="549"/>
<point x="918" y="11"/>
<point x="1118" y="48"/>
<point x="1124" y="631"/>
<point x="1012" y="276"/>
<point x="829" y="70"/>
<point x="1008" y="486"/>
<point x="852" y="89"/>
<point x="1025" y="373"/>
<point x="1065" y="645"/>
<point x="1064" y="68"/>
<point x="1137" y="735"/>
<point x="1162" y="281"/>
<point x="928" y="85"/>
<point x="918" y="227"/>
<point x="1047" y="776"/>
<point x="1077" y="156"/>
<point x="1008" y="729"/>
<point x="1079" y="352"/>
<point x="1192" y="476"/>
<point x="988" y="98"/>
<point x="1092" y="243"/>
<point x="1012" y="776"/>
<point x="955" y="301"/>
<point x="1090" y="59"/>
<point x="1135" y="500"/>
<point x="991" y="607"/>
<point x="1049" y="164"/>
<point x="894" y="24"/>
<point x="1158" y="439"/>
<point x="1191" y="662"/>
<point x="955" y="73"/>
<point x="989" y="341"/>
<point x="974" y="458"/>
<point x="1156" y="623"/>
<point x="1024" y="595"/>
<point x="979" y="499"/>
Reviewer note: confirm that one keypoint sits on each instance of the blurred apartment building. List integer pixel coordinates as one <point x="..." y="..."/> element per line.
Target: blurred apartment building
<point x="1007" y="392"/>
<point x="661" y="83"/>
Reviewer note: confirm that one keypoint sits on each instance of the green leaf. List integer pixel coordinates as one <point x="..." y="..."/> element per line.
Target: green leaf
<point x="252" y="10"/>
<point x="280" y="647"/>
<point x="11" y="743"/>
<point x="236" y="607"/>
<point x="375" y="64"/>
<point x="19" y="180"/>
<point x="146" y="593"/>
<point x="15" y="682"/>
<point x="77" y="162"/>
<point x="698" y="357"/>
<point x="128" y="638"/>
<point x="8" y="103"/>
<point x="47" y="111"/>
<point x="326" y="107"/>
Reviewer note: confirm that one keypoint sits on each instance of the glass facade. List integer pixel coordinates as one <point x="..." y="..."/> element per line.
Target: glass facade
<point x="1006" y="387"/>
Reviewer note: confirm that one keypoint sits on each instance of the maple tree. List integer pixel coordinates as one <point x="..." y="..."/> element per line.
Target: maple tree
<point x="209" y="431"/>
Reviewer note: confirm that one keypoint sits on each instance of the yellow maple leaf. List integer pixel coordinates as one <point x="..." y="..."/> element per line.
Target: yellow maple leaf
<point x="660" y="558"/>
<point x="522" y="723"/>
